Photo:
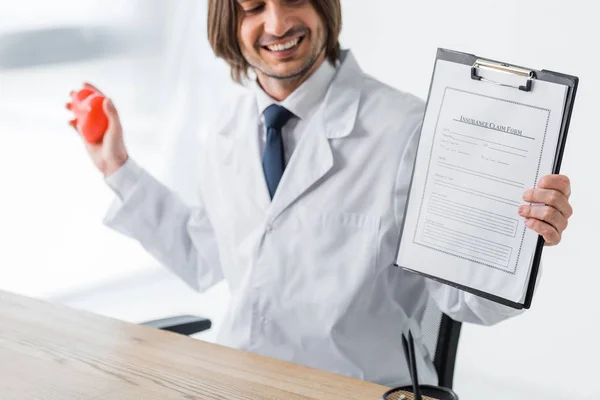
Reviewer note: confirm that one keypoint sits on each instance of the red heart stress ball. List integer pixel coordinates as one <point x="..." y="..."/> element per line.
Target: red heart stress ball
<point x="90" y="119"/>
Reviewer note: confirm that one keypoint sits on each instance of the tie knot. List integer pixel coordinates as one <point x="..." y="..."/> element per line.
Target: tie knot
<point x="276" y="116"/>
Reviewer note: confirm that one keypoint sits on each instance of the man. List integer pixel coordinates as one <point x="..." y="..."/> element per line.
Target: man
<point x="303" y="187"/>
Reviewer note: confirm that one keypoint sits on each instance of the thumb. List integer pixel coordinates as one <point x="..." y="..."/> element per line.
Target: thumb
<point x="114" y="123"/>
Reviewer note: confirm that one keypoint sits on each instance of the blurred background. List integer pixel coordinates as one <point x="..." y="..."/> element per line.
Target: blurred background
<point x="152" y="58"/>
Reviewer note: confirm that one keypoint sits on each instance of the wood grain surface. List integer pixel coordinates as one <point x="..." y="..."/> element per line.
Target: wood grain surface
<point x="51" y="352"/>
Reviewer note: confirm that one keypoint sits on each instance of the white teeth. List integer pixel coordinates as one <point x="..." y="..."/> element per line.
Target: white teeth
<point x="284" y="46"/>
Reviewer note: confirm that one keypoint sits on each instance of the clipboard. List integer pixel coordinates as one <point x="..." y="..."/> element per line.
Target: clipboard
<point x="526" y="78"/>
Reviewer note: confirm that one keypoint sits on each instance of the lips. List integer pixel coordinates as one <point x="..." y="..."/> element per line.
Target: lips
<point x="284" y="46"/>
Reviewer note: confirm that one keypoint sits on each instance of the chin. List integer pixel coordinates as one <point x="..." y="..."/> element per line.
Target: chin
<point x="288" y="68"/>
<point x="288" y="71"/>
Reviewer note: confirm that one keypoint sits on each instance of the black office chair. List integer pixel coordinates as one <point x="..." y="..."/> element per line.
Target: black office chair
<point x="440" y="336"/>
<point x="184" y="324"/>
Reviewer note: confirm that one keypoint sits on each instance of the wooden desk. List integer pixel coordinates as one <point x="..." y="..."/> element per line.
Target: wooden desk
<point x="51" y="352"/>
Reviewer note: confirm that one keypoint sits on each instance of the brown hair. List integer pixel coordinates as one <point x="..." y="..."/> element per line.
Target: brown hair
<point x="223" y="32"/>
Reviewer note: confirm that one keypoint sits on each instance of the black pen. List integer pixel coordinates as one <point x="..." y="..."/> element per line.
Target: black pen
<point x="413" y="367"/>
<point x="407" y="356"/>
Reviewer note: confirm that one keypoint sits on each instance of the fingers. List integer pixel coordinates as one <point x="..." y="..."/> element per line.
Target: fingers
<point x="550" y="197"/>
<point x="560" y="183"/>
<point x="550" y="215"/>
<point x="548" y="232"/>
<point x="549" y="219"/>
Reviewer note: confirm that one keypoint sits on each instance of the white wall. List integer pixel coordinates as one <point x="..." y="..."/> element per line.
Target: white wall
<point x="53" y="199"/>
<point x="556" y="342"/>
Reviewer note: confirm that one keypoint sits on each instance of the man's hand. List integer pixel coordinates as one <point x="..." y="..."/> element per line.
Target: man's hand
<point x="110" y="154"/>
<point x="551" y="218"/>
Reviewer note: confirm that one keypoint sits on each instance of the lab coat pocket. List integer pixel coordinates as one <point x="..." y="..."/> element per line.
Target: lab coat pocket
<point x="334" y="257"/>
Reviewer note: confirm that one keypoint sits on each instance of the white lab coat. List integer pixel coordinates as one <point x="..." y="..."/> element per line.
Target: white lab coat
<point x="310" y="273"/>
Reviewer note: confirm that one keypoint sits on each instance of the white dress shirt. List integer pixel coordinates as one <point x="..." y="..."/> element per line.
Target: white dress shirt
<point x="302" y="103"/>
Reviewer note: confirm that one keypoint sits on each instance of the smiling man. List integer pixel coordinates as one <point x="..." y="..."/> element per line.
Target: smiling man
<point x="303" y="187"/>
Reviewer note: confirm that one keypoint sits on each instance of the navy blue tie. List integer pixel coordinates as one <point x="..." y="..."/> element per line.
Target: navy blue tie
<point x="273" y="159"/>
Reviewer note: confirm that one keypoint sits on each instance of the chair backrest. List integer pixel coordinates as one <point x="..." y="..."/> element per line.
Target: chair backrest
<point x="440" y="335"/>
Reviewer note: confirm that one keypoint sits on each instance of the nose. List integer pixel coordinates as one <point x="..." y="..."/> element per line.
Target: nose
<point x="277" y="20"/>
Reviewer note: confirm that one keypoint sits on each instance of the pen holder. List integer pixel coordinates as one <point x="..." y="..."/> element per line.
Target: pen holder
<point x="428" y="392"/>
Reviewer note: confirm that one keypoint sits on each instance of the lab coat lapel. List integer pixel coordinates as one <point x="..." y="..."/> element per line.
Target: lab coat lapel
<point x="313" y="158"/>
<point x="249" y="168"/>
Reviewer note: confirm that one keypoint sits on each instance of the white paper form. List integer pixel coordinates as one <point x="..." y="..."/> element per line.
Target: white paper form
<point x="482" y="145"/>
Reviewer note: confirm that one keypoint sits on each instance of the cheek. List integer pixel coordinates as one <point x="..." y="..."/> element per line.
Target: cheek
<point x="247" y="35"/>
<point x="319" y="30"/>
<point x="313" y="21"/>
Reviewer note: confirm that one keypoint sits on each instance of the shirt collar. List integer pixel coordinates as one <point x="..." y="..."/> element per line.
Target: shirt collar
<point x="305" y="97"/>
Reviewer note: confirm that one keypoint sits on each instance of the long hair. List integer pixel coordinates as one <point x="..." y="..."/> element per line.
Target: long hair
<point x="223" y="32"/>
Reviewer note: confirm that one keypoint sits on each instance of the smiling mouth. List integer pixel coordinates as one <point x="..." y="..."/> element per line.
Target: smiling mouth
<point x="285" y="46"/>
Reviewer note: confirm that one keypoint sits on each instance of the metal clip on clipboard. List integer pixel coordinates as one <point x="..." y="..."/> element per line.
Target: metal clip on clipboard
<point x="505" y="68"/>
